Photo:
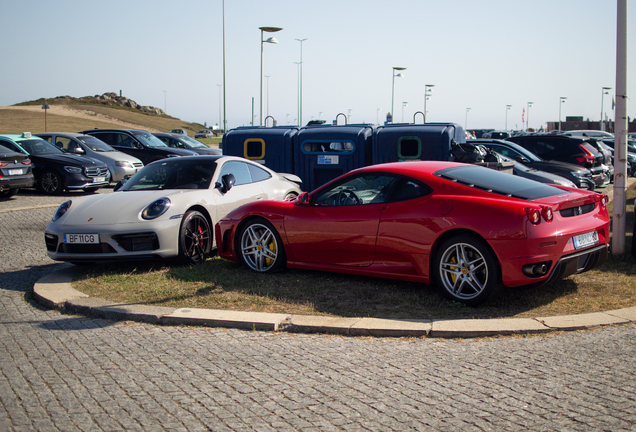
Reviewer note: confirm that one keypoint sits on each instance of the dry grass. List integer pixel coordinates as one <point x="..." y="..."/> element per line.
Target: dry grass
<point x="219" y="284"/>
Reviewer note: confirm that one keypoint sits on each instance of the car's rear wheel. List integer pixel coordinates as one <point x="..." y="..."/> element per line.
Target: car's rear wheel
<point x="260" y="247"/>
<point x="467" y="270"/>
<point x="290" y="196"/>
<point x="50" y="183"/>
<point x="195" y="238"/>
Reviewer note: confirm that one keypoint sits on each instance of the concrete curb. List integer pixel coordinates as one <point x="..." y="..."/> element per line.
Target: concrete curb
<point x="55" y="291"/>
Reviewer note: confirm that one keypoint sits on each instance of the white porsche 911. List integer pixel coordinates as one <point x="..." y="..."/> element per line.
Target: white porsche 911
<point x="168" y="209"/>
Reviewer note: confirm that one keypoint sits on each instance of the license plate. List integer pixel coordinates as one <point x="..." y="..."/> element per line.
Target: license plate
<point x="15" y="171"/>
<point x="585" y="240"/>
<point x="81" y="238"/>
<point x="98" y="179"/>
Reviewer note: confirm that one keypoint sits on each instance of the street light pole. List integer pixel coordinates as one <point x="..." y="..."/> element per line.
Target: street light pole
<point x="528" y="116"/>
<point x="300" y="85"/>
<point x="267" y="95"/>
<point x="466" y="122"/>
<point x="269" y="40"/>
<point x="507" y="109"/>
<point x="561" y="101"/>
<point x="393" y="88"/>
<point x="219" y="86"/>
<point x="428" y="89"/>
<point x="604" y="92"/>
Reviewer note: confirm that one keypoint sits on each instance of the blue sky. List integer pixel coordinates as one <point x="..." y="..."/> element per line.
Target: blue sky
<point x="481" y="55"/>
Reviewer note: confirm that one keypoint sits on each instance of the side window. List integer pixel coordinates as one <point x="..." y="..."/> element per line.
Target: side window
<point x="544" y="149"/>
<point x="363" y="189"/>
<point x="108" y="137"/>
<point x="505" y="151"/>
<point x="409" y="189"/>
<point x="124" y="140"/>
<point x="46" y="138"/>
<point x="240" y="171"/>
<point x="257" y="173"/>
<point x="65" y="144"/>
<point x="10" y="146"/>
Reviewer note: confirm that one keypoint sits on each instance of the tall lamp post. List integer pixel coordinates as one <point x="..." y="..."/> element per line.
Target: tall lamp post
<point x="269" y="40"/>
<point x="561" y="102"/>
<point x="507" y="109"/>
<point x="466" y="122"/>
<point x="428" y="90"/>
<point x="267" y="95"/>
<point x="219" y="86"/>
<point x="528" y="116"/>
<point x="604" y="92"/>
<point x="399" y="75"/>
<point x="300" y="85"/>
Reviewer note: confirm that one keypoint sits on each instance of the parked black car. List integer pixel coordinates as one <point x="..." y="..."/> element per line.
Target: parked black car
<point x="55" y="170"/>
<point x="138" y="143"/>
<point x="15" y="172"/>
<point x="560" y="147"/>
<point x="181" y="141"/>
<point x="581" y="177"/>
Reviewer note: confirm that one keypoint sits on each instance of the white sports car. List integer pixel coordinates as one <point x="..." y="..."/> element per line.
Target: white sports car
<point x="168" y="209"/>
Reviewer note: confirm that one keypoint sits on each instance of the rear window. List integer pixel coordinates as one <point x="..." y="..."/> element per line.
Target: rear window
<point x="499" y="182"/>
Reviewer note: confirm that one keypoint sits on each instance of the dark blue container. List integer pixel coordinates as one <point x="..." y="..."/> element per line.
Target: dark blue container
<point x="324" y="152"/>
<point x="404" y="142"/>
<point x="270" y="146"/>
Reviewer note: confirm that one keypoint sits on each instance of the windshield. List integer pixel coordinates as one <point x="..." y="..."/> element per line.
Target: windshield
<point x="38" y="147"/>
<point x="178" y="174"/>
<point x="149" y="139"/>
<point x="95" y="144"/>
<point x="192" y="142"/>
<point x="498" y="182"/>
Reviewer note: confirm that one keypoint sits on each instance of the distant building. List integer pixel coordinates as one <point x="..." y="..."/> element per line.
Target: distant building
<point x="577" y="123"/>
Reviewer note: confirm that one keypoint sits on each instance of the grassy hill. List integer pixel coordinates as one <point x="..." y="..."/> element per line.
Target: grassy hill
<point x="73" y="115"/>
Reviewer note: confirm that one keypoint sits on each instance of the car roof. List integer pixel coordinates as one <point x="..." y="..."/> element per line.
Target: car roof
<point x="71" y="134"/>
<point x="114" y="130"/>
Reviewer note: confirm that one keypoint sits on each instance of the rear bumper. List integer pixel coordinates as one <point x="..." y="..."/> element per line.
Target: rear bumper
<point x="578" y="262"/>
<point x="16" y="182"/>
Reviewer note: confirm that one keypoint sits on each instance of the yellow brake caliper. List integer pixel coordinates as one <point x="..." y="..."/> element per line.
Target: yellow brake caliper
<point x="272" y="247"/>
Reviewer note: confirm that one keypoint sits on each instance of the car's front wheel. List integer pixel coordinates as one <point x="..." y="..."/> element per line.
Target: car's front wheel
<point x="260" y="247"/>
<point x="195" y="238"/>
<point x="467" y="270"/>
<point x="50" y="183"/>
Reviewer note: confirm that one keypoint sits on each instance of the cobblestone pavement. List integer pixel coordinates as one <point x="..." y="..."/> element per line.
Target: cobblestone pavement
<point x="71" y="373"/>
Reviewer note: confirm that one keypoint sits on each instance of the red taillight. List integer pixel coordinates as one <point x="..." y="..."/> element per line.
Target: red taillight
<point x="26" y="162"/>
<point x="4" y="164"/>
<point x="534" y="215"/>
<point x="588" y="157"/>
<point x="547" y="214"/>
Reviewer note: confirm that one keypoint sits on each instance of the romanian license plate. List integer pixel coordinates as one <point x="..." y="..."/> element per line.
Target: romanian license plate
<point x="585" y="240"/>
<point x="15" y="171"/>
<point x="98" y="179"/>
<point x="81" y="238"/>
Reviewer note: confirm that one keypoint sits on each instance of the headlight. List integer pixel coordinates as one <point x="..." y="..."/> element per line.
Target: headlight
<point x="61" y="210"/>
<point x="156" y="209"/>
<point x="74" y="170"/>
<point x="124" y="164"/>
<point x="173" y="155"/>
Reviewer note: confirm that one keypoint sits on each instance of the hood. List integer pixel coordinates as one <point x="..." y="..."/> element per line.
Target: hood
<point x="114" y="208"/>
<point x="69" y="159"/>
<point x="551" y="165"/>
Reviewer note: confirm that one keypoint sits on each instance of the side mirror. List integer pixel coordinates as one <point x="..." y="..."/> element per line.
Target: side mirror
<point x="304" y="198"/>
<point x="521" y="159"/>
<point x="119" y="184"/>
<point x="227" y="183"/>
<point x="79" y="150"/>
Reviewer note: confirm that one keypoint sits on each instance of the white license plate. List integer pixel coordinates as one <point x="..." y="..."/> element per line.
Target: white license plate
<point x="81" y="238"/>
<point x="16" y="171"/>
<point x="585" y="240"/>
<point x="98" y="179"/>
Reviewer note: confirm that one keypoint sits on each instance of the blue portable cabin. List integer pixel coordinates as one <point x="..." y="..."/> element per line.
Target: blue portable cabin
<point x="404" y="142"/>
<point x="270" y="146"/>
<point x="324" y="152"/>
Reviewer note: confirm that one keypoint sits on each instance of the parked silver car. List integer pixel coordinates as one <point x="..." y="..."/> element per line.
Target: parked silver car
<point x="119" y="164"/>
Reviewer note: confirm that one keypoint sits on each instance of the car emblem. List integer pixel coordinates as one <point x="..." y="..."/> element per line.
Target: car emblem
<point x="89" y="219"/>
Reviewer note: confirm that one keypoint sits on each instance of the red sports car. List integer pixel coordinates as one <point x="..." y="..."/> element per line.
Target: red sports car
<point x="467" y="228"/>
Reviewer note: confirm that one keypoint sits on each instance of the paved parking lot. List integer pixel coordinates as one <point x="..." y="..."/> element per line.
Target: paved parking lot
<point x="72" y="373"/>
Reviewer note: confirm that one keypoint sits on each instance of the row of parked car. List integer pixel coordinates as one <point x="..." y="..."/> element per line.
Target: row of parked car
<point x="87" y="160"/>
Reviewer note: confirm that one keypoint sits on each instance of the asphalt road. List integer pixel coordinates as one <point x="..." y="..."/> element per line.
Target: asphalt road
<point x="71" y="373"/>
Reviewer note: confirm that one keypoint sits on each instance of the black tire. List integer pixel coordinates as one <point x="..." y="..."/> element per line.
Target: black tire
<point x="290" y="196"/>
<point x="195" y="238"/>
<point x="260" y="247"/>
<point x="466" y="270"/>
<point x="9" y="193"/>
<point x="50" y="183"/>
